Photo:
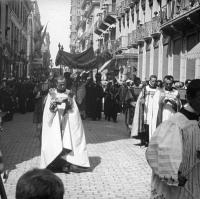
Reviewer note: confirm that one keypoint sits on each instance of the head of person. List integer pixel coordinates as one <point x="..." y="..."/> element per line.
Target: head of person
<point x="61" y="84"/>
<point x="39" y="184"/>
<point x="159" y="83"/>
<point x="137" y="81"/>
<point x="168" y="82"/>
<point x="193" y="94"/>
<point x="153" y="80"/>
<point x="51" y="75"/>
<point x="187" y="81"/>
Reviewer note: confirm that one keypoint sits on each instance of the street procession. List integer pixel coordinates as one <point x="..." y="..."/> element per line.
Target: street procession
<point x="99" y="99"/>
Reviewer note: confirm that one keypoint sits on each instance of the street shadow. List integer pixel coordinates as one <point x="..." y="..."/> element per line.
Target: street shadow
<point x="94" y="162"/>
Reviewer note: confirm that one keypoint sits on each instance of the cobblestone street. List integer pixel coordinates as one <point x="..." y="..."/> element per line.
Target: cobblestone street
<point x="118" y="165"/>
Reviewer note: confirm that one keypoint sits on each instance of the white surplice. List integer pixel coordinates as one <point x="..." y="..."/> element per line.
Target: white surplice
<point x="173" y="148"/>
<point x="162" y="112"/>
<point x="148" y="94"/>
<point x="63" y="132"/>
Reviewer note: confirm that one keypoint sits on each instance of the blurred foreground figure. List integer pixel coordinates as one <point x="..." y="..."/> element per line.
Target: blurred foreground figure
<point x="174" y="152"/>
<point x="38" y="184"/>
<point x="63" y="137"/>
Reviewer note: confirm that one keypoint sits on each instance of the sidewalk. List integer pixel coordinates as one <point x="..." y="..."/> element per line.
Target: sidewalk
<point x="118" y="165"/>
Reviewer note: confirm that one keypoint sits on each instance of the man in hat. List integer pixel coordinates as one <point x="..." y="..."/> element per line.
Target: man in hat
<point x="174" y="151"/>
<point x="63" y="138"/>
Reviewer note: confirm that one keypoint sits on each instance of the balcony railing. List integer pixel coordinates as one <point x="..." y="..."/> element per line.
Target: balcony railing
<point x="123" y="42"/>
<point x="110" y="10"/>
<point x="155" y="25"/>
<point x="170" y="12"/>
<point x="140" y="33"/>
<point x="83" y="3"/>
<point x="132" y="39"/>
<point x="147" y="29"/>
<point x="110" y="13"/>
<point x="109" y="45"/>
<point x="91" y="5"/>
<point x="97" y="29"/>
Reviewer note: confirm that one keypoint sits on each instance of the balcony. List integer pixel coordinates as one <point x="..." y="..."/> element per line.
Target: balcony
<point x="109" y="14"/>
<point x="123" y="43"/>
<point x="140" y="32"/>
<point x="126" y="6"/>
<point x="122" y="7"/>
<point x="97" y="30"/>
<point x="181" y="17"/>
<point x="109" y="45"/>
<point x="118" y="12"/>
<point x="91" y="6"/>
<point x="155" y="33"/>
<point x="101" y="24"/>
<point x="132" y="40"/>
<point x="147" y="30"/>
<point x="83" y="4"/>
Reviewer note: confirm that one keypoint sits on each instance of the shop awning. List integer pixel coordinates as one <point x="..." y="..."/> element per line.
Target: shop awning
<point x="105" y="65"/>
<point x="194" y="53"/>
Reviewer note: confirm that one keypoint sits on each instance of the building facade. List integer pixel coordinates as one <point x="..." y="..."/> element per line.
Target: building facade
<point x="20" y="30"/>
<point x="145" y="37"/>
<point x="39" y="44"/>
<point x="98" y="27"/>
<point x="14" y="20"/>
<point x="163" y="32"/>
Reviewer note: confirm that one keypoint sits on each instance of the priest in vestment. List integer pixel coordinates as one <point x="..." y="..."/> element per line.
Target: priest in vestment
<point x="143" y="112"/>
<point x="166" y="102"/>
<point x="174" y="152"/>
<point x="63" y="137"/>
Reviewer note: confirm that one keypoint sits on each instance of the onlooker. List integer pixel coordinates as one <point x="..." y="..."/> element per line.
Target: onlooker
<point x="39" y="184"/>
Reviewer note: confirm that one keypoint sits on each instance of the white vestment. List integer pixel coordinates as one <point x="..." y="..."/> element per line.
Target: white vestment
<point x="163" y="111"/>
<point x="63" y="132"/>
<point x="148" y="94"/>
<point x="172" y="149"/>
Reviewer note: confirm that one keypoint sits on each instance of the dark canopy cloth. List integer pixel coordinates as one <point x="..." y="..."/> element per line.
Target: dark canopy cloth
<point x="85" y="60"/>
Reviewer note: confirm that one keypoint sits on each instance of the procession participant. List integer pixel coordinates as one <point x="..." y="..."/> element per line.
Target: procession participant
<point x="108" y="101"/>
<point x="80" y="97"/>
<point x="91" y="96"/>
<point x="51" y="80"/>
<point x="63" y="138"/>
<point x="99" y="91"/>
<point x="129" y="105"/>
<point x="115" y="100"/>
<point x="166" y="102"/>
<point x="143" y="112"/>
<point x="174" y="153"/>
<point x="38" y="109"/>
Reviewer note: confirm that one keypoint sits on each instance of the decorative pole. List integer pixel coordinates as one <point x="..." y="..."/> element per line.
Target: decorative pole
<point x="61" y="68"/>
<point x="59" y="46"/>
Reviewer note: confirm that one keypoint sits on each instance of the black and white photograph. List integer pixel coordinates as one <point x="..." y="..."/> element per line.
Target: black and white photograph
<point x="99" y="99"/>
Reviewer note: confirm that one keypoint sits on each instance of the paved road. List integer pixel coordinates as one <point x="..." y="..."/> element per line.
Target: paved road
<point x="118" y="166"/>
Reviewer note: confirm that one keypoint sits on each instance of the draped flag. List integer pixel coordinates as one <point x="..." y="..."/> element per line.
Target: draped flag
<point x="85" y="60"/>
